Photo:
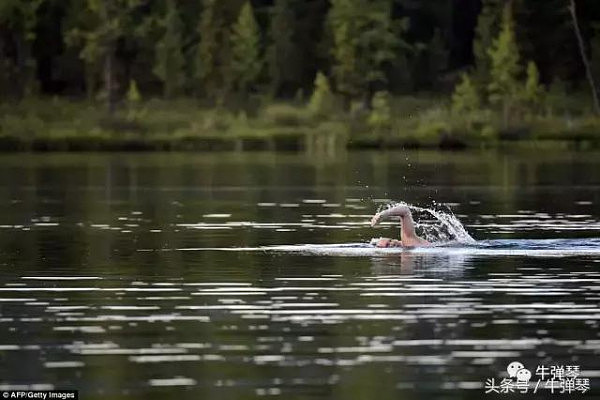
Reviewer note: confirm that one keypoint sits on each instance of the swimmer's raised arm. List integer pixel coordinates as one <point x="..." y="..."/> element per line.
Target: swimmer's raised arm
<point x="397" y="211"/>
<point x="408" y="235"/>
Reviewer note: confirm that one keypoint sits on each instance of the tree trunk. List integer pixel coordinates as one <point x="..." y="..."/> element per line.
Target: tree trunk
<point x="584" y="58"/>
<point x="108" y="81"/>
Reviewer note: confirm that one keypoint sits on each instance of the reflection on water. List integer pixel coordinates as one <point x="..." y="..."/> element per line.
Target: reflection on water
<point x="446" y="265"/>
<point x="110" y="286"/>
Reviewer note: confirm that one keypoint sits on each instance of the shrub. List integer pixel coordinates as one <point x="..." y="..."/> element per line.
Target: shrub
<point x="380" y="117"/>
<point x="465" y="97"/>
<point x="284" y="115"/>
<point x="322" y="101"/>
<point x="133" y="94"/>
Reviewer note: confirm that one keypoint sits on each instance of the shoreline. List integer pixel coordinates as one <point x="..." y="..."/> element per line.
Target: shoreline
<point x="282" y="143"/>
<point x="51" y="125"/>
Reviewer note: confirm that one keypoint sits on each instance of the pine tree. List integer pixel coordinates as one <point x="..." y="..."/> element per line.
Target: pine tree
<point x="104" y="22"/>
<point x="364" y="41"/>
<point x="18" y="19"/>
<point x="380" y="117"/>
<point x="533" y="89"/>
<point x="133" y="93"/>
<point x="584" y="56"/>
<point x="206" y="73"/>
<point x="246" y="63"/>
<point x="488" y="25"/>
<point x="169" y="61"/>
<point x="322" y="101"/>
<point x="504" y="56"/>
<point x="465" y="98"/>
<point x="283" y="55"/>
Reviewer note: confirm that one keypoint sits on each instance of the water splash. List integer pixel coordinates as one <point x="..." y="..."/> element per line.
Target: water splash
<point x="444" y="227"/>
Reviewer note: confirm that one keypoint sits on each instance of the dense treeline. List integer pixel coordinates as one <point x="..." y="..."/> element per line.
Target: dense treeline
<point x="502" y="55"/>
<point x="197" y="48"/>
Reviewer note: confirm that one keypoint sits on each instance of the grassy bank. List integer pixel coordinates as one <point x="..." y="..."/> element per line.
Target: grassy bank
<point x="61" y="125"/>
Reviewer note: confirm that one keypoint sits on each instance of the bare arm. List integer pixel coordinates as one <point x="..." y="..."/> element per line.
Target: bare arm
<point x="398" y="211"/>
<point x="408" y="236"/>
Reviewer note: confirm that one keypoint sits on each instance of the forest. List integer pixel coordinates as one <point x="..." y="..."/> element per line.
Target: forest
<point x="178" y="74"/>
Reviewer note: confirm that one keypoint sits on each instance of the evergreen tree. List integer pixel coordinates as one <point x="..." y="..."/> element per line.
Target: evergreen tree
<point x="133" y="93"/>
<point x="488" y="25"/>
<point x="322" y="101"/>
<point x="364" y="41"/>
<point x="380" y="117"/>
<point x="584" y="56"/>
<point x="246" y="63"/>
<point x="504" y="56"/>
<point x="465" y="97"/>
<point x="18" y="18"/>
<point x="533" y="89"/>
<point x="169" y="62"/>
<point x="206" y="72"/>
<point x="283" y="56"/>
<point x="104" y="22"/>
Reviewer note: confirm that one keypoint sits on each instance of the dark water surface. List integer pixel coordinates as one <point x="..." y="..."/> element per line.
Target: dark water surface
<point x="107" y="286"/>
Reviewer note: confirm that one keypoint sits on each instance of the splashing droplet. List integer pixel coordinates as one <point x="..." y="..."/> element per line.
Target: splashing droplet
<point x="445" y="227"/>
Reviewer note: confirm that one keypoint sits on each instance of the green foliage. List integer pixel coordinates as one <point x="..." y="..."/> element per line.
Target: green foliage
<point x="504" y="55"/>
<point x="322" y="101"/>
<point x="133" y="93"/>
<point x="380" y="117"/>
<point x="19" y="19"/>
<point x="364" y="41"/>
<point x="169" y="61"/>
<point x="96" y="33"/>
<point x="488" y="24"/>
<point x="103" y="22"/>
<point x="465" y="97"/>
<point x="210" y="52"/>
<point x="283" y="56"/>
<point x="214" y="47"/>
<point x="246" y="62"/>
<point x="533" y="91"/>
<point x="285" y="115"/>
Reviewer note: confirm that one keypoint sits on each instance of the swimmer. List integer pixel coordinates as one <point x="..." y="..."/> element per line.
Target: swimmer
<point x="408" y="237"/>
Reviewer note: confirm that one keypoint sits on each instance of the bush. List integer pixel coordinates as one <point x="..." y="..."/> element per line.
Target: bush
<point x="22" y="126"/>
<point x="133" y="94"/>
<point x="219" y="121"/>
<point x="322" y="101"/>
<point x="285" y="115"/>
<point x="380" y="117"/>
<point x="465" y="97"/>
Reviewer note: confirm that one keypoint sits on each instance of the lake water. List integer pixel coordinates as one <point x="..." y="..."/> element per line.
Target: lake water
<point x="153" y="276"/>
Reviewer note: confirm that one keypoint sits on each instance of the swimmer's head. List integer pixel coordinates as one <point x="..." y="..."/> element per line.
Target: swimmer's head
<point x="380" y="242"/>
<point x="384" y="242"/>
